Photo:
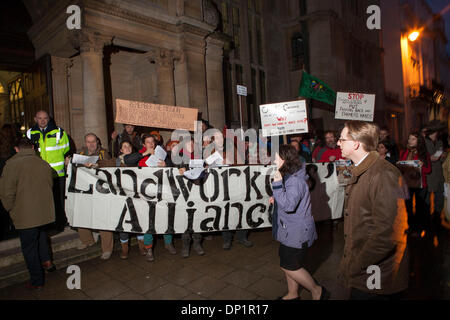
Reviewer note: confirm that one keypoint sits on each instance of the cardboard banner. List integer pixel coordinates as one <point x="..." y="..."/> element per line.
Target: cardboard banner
<point x="160" y="200"/>
<point x="355" y="106"/>
<point x="155" y="115"/>
<point x="283" y="118"/>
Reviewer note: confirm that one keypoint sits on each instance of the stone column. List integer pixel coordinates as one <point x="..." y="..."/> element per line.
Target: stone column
<point x="60" y="92"/>
<point x="94" y="111"/>
<point x="214" y="78"/>
<point x="165" y="80"/>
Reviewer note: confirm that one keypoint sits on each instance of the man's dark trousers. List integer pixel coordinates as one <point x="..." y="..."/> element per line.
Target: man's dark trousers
<point x="58" y="198"/>
<point x="35" y="252"/>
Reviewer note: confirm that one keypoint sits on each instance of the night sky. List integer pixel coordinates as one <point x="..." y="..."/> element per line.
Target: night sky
<point x="443" y="6"/>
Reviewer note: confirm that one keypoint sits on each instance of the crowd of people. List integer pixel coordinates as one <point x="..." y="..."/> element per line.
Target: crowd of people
<point x="364" y="144"/>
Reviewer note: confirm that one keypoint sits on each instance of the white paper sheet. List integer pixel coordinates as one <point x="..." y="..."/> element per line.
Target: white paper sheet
<point x="196" y="163"/>
<point x="81" y="159"/>
<point x="159" y="155"/>
<point x="193" y="173"/>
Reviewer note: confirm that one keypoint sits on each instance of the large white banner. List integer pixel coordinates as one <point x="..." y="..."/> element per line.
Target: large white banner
<point x="283" y="118"/>
<point x="160" y="200"/>
<point x="355" y="106"/>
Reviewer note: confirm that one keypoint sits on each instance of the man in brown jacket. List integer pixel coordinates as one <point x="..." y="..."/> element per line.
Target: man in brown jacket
<point x="375" y="263"/>
<point x="26" y="192"/>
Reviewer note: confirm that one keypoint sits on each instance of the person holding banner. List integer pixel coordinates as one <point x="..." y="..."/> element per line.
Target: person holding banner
<point x="295" y="228"/>
<point x="416" y="150"/>
<point x="150" y="144"/>
<point x="126" y="148"/>
<point x="93" y="148"/>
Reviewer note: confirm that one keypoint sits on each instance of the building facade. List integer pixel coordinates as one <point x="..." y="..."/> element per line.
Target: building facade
<point x="145" y="50"/>
<point x="416" y="71"/>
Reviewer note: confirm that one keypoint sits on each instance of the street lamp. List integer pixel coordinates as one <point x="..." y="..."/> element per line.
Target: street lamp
<point x="413" y="36"/>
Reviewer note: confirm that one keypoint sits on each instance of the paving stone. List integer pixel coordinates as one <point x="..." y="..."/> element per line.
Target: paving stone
<point x="271" y="271"/>
<point x="231" y="292"/>
<point x="268" y="288"/>
<point x="183" y="276"/>
<point x="106" y="290"/>
<point x="194" y="296"/>
<point x="93" y="278"/>
<point x="129" y="295"/>
<point x="215" y="269"/>
<point x="17" y="292"/>
<point x="144" y="283"/>
<point x="168" y="291"/>
<point x="242" y="278"/>
<point x="206" y="286"/>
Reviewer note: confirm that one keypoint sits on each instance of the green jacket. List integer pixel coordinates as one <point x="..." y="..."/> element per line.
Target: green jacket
<point x="53" y="145"/>
<point x="26" y="190"/>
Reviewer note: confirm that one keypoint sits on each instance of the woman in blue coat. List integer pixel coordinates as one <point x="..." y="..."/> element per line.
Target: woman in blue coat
<point x="295" y="226"/>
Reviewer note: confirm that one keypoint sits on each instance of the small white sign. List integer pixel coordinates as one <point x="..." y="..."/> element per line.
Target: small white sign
<point x="355" y="106"/>
<point x="283" y="118"/>
<point x="81" y="159"/>
<point x="241" y="90"/>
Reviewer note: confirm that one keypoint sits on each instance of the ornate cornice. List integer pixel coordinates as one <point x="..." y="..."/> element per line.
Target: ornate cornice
<point x="111" y="9"/>
<point x="89" y="41"/>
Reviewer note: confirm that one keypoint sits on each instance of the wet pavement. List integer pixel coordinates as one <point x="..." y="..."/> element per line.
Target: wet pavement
<point x="237" y="274"/>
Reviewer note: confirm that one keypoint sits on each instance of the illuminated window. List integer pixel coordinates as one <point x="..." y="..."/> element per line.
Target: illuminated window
<point x="16" y="101"/>
<point x="2" y="90"/>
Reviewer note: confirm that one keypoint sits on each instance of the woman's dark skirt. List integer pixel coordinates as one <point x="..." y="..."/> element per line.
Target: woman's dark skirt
<point x="292" y="258"/>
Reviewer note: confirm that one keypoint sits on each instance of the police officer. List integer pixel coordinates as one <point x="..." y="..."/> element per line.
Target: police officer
<point x="52" y="143"/>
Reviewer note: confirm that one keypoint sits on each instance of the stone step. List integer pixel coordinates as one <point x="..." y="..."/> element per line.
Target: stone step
<point x="11" y="253"/>
<point x="65" y="254"/>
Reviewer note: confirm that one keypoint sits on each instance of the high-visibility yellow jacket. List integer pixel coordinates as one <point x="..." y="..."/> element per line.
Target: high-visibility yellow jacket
<point x="53" y="145"/>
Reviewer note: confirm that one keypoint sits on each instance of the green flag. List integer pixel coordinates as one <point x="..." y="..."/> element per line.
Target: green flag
<point x="313" y="88"/>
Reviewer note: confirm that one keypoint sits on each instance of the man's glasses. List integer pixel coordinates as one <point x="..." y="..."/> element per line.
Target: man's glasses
<point x="341" y="139"/>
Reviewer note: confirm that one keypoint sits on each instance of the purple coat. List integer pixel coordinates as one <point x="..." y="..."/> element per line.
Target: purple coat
<point x="294" y="220"/>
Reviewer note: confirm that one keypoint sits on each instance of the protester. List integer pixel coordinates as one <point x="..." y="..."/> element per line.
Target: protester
<point x="416" y="150"/>
<point x="385" y="151"/>
<point x="150" y="144"/>
<point x="295" y="228"/>
<point x="303" y="149"/>
<point x="53" y="145"/>
<point x="393" y="150"/>
<point x="126" y="148"/>
<point x="435" y="178"/>
<point x="92" y="148"/>
<point x="129" y="134"/>
<point x="187" y="152"/>
<point x="374" y="225"/>
<point x="329" y="152"/>
<point x="159" y="139"/>
<point x="26" y="192"/>
<point x="297" y="147"/>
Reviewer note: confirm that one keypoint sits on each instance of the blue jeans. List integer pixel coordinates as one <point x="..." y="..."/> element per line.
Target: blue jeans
<point x="35" y="252"/>
<point x="148" y="239"/>
<point x="124" y="236"/>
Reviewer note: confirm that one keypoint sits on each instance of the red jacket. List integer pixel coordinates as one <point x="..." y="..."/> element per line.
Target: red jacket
<point x="426" y="168"/>
<point x="325" y="156"/>
<point x="144" y="159"/>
